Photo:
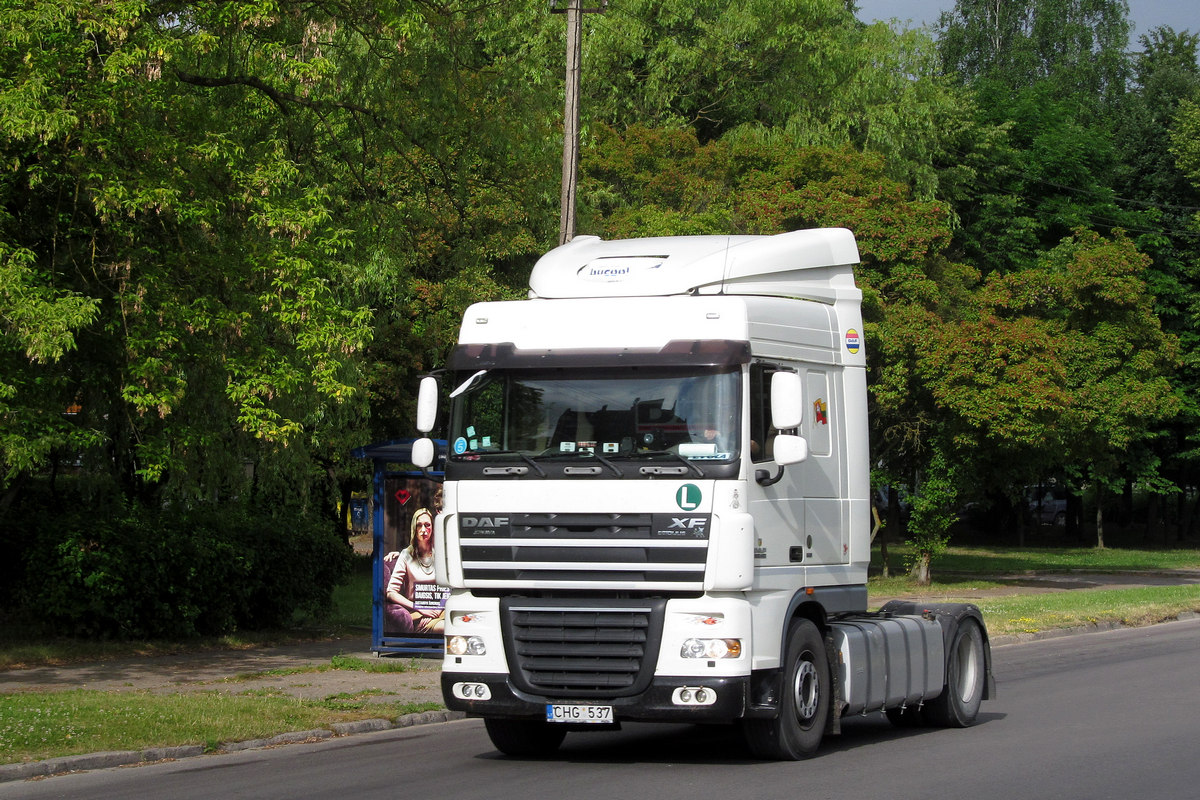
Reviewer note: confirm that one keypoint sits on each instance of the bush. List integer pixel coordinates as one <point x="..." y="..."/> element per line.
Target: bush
<point x="933" y="513"/>
<point x="141" y="573"/>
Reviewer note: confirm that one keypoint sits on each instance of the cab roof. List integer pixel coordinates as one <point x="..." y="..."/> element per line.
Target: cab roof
<point x="814" y="264"/>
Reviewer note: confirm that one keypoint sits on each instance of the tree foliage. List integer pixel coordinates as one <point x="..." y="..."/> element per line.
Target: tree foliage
<point x="233" y="232"/>
<point x="1075" y="45"/>
<point x="204" y="206"/>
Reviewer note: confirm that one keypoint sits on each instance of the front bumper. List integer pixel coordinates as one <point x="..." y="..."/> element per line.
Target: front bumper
<point x="657" y="703"/>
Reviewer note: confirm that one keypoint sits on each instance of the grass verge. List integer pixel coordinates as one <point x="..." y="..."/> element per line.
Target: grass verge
<point x="998" y="561"/>
<point x="979" y="561"/>
<point x="1014" y="612"/>
<point x="1033" y="613"/>
<point x="40" y="725"/>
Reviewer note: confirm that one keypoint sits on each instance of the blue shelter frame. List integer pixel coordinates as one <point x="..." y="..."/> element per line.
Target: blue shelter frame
<point x="385" y="456"/>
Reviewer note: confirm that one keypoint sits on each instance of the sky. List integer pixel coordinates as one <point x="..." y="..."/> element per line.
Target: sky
<point x="1145" y="14"/>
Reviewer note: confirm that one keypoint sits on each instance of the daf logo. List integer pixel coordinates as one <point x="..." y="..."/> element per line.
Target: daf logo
<point x="485" y="522"/>
<point x="688" y="523"/>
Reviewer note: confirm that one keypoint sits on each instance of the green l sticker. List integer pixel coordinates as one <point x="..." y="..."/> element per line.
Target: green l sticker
<point x="688" y="497"/>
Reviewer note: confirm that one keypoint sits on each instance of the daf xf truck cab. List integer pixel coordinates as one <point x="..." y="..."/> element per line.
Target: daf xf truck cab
<point x="656" y="503"/>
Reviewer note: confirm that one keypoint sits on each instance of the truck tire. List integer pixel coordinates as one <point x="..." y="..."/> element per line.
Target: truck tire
<point x="526" y="738"/>
<point x="958" y="704"/>
<point x="804" y="707"/>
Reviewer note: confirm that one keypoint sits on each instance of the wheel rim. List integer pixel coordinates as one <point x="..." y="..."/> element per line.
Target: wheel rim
<point x="968" y="655"/>
<point x="806" y="691"/>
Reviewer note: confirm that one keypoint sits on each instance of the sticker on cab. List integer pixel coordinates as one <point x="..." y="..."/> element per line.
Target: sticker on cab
<point x="853" y="341"/>
<point x="821" y="411"/>
<point x="688" y="497"/>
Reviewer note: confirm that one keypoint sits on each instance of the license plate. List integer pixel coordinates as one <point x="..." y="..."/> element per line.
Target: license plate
<point x="579" y="713"/>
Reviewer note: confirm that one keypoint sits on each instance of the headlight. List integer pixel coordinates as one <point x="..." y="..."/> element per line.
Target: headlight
<point x="465" y="646"/>
<point x="711" y="648"/>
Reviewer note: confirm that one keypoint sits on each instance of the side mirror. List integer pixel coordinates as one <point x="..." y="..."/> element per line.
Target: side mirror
<point x="787" y="402"/>
<point x="427" y="397"/>
<point x="423" y="453"/>
<point x="790" y="449"/>
<point x="787" y="414"/>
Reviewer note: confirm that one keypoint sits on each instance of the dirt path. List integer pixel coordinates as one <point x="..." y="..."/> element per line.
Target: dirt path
<point x="302" y="670"/>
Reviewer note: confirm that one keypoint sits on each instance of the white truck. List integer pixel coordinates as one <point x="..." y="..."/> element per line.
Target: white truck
<point x="656" y="503"/>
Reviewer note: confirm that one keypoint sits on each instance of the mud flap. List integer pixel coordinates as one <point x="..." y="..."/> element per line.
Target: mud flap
<point x="834" y="724"/>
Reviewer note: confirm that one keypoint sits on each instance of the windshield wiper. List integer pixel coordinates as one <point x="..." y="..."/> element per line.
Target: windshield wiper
<point x="609" y="464"/>
<point x="556" y="456"/>
<point x="540" y="472"/>
<point x="468" y="383"/>
<point x="699" y="472"/>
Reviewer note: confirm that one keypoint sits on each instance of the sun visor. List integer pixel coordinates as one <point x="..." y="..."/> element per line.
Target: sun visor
<point x="703" y="353"/>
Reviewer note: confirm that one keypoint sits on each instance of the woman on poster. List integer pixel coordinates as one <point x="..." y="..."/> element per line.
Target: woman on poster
<point x="417" y="603"/>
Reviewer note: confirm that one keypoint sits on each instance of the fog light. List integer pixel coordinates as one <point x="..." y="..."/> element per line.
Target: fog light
<point x="471" y="691"/>
<point x="693" y="696"/>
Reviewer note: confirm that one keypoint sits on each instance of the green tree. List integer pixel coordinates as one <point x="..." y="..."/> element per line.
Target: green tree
<point x="805" y="71"/>
<point x="1082" y="147"/>
<point x="1091" y="296"/>
<point x="1076" y="45"/>
<point x="716" y="66"/>
<point x="204" y="208"/>
<point x="244" y="181"/>
<point x="1048" y="171"/>
<point x="1166" y="74"/>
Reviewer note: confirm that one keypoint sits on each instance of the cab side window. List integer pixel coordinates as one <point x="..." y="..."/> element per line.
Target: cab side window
<point x="762" y="435"/>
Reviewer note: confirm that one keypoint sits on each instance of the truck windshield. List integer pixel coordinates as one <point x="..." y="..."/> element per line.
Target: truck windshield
<point x="632" y="413"/>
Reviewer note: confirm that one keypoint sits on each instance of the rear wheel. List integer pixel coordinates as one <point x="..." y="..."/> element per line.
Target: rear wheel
<point x="804" y="708"/>
<point x="958" y="704"/>
<point x="527" y="738"/>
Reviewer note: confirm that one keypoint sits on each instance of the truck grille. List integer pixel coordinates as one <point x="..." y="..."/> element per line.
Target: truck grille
<point x="575" y="648"/>
<point x="584" y="551"/>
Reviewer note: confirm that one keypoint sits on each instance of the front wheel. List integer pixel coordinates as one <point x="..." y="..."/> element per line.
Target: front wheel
<point x="804" y="708"/>
<point x="525" y="738"/>
<point x="958" y="704"/>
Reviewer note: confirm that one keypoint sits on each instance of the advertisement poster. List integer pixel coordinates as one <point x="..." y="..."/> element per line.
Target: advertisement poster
<point x="413" y="603"/>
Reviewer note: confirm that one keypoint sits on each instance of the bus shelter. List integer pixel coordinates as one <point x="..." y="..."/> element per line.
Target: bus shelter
<point x="407" y="603"/>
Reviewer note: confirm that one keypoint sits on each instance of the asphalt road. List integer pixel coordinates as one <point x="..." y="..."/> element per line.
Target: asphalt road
<point x="1105" y="715"/>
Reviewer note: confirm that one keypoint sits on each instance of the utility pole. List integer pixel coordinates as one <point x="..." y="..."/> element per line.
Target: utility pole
<point x="570" y="168"/>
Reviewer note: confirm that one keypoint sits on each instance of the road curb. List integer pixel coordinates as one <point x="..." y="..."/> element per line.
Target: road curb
<point x="126" y="758"/>
<point x="116" y="758"/>
<point x="1058" y="633"/>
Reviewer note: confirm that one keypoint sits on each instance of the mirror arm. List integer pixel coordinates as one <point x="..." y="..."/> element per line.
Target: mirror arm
<point x="764" y="478"/>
